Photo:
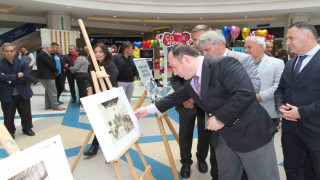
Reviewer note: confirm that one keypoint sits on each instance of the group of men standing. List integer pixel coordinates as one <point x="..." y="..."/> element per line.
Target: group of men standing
<point x="239" y="99"/>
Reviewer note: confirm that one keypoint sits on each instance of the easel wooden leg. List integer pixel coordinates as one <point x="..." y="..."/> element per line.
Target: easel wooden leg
<point x="144" y="162"/>
<point x="144" y="95"/>
<point x="133" y="172"/>
<point x="167" y="147"/>
<point x="81" y="150"/>
<point x="171" y="128"/>
<point x="117" y="169"/>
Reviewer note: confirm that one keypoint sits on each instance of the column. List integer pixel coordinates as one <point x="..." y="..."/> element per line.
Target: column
<point x="58" y="20"/>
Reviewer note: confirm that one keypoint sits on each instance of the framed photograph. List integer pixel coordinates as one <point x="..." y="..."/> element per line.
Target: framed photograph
<point x="112" y="120"/>
<point x="46" y="160"/>
<point x="148" y="80"/>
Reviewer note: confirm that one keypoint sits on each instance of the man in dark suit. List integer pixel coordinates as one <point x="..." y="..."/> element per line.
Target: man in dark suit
<point x="298" y="100"/>
<point x="47" y="72"/>
<point x="68" y="61"/>
<point x="15" y="91"/>
<point x="242" y="129"/>
<point x="188" y="112"/>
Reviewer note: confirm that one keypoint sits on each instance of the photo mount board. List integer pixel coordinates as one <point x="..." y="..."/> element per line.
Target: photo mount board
<point x="49" y="152"/>
<point x="148" y="80"/>
<point x="114" y="123"/>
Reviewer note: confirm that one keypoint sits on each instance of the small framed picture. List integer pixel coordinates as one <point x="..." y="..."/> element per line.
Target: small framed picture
<point x="46" y="160"/>
<point x="112" y="120"/>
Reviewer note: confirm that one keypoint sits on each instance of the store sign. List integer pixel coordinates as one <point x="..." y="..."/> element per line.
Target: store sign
<point x="174" y="38"/>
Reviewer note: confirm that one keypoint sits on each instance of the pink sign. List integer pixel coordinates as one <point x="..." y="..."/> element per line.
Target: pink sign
<point x="174" y="38"/>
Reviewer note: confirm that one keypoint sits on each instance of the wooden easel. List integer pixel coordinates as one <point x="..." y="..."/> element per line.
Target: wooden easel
<point x="163" y="134"/>
<point x="101" y="75"/>
<point x="7" y="142"/>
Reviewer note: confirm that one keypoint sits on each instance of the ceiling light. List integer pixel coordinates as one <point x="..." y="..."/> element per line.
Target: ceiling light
<point x="158" y="18"/>
<point x="144" y="24"/>
<point x="142" y="33"/>
<point x="68" y="7"/>
<point x="246" y="17"/>
<point x="114" y="16"/>
<point x="200" y="18"/>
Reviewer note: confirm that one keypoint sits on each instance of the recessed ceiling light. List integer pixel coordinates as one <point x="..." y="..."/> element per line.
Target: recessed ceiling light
<point x="114" y="16"/>
<point x="144" y="24"/>
<point x="68" y="7"/>
<point x="158" y="18"/>
<point x="200" y="18"/>
<point x="142" y="33"/>
<point x="246" y="17"/>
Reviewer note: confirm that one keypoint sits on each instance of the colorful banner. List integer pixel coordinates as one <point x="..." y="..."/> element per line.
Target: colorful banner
<point x="172" y="39"/>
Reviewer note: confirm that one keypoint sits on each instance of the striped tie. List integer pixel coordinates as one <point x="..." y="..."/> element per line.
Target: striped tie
<point x="298" y="65"/>
<point x="196" y="84"/>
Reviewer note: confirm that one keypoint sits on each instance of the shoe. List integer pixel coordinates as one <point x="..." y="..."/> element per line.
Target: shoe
<point x="74" y="101"/>
<point x="185" y="171"/>
<point x="48" y="108"/>
<point x="28" y="132"/>
<point x="202" y="166"/>
<point x="92" y="151"/>
<point x="58" y="109"/>
<point x="12" y="134"/>
<point x="59" y="102"/>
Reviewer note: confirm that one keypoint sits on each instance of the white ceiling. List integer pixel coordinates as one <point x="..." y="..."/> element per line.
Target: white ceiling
<point x="165" y="9"/>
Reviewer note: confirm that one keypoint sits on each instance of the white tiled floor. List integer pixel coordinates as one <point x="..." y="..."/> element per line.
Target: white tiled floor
<point x="95" y="168"/>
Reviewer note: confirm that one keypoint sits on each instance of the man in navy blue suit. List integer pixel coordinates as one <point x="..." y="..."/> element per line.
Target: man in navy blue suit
<point x="15" y="91"/>
<point x="298" y="100"/>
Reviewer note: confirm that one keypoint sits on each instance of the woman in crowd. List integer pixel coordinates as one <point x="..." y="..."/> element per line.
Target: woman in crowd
<point x="103" y="57"/>
<point x="79" y="70"/>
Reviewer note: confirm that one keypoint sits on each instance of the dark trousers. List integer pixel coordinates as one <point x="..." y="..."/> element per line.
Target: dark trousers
<point x="32" y="79"/>
<point x="70" y="78"/>
<point x="63" y="80"/>
<point x="24" y="110"/>
<point x="82" y="79"/>
<point x="298" y="150"/>
<point x="59" y="85"/>
<point x="187" y="119"/>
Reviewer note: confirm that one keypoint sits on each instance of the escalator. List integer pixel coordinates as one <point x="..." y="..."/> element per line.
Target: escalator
<point x="25" y="35"/>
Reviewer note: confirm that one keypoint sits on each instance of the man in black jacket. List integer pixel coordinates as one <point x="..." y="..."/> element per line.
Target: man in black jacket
<point x="242" y="129"/>
<point x="68" y="61"/>
<point x="46" y="74"/>
<point x="298" y="100"/>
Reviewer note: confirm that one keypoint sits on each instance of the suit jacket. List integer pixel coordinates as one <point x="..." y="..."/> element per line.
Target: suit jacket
<point x="228" y="94"/>
<point x="10" y="74"/>
<point x="270" y="70"/>
<point x="248" y="63"/>
<point x="304" y="92"/>
<point x="68" y="60"/>
<point x="46" y="66"/>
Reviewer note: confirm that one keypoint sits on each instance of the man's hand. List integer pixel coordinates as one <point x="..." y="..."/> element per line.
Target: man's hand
<point x="290" y="112"/>
<point x="20" y="74"/>
<point x="258" y="98"/>
<point x="213" y="124"/>
<point x="141" y="112"/>
<point x="188" y="104"/>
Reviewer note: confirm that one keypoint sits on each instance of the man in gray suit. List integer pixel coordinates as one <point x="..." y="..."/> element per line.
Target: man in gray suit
<point x="270" y="70"/>
<point x="212" y="43"/>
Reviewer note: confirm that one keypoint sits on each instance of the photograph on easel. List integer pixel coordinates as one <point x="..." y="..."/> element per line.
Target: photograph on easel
<point x="116" y="118"/>
<point x="112" y="119"/>
<point x="45" y="160"/>
<point x="148" y="80"/>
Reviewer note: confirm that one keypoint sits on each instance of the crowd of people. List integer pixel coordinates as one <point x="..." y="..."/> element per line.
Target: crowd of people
<point x="238" y="99"/>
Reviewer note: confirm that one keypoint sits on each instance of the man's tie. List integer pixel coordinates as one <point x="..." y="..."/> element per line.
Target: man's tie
<point x="196" y="84"/>
<point x="298" y="65"/>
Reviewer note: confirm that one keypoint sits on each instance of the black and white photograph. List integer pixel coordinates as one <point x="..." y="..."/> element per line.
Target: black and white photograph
<point x="35" y="172"/>
<point x="112" y="120"/>
<point x="116" y="118"/>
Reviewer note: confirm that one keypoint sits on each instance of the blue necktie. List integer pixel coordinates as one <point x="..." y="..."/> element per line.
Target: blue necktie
<point x="298" y="65"/>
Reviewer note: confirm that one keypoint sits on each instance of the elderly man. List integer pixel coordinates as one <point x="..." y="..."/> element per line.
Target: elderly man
<point x="15" y="91"/>
<point x="46" y="73"/>
<point x="268" y="49"/>
<point x="270" y="70"/>
<point x="188" y="113"/>
<point x="298" y="100"/>
<point x="242" y="129"/>
<point x="212" y="43"/>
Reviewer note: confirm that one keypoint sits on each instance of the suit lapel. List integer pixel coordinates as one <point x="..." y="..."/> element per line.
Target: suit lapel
<point x="309" y="66"/>
<point x="263" y="60"/>
<point x="15" y="65"/>
<point x="205" y="78"/>
<point x="292" y="78"/>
